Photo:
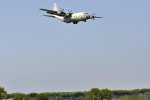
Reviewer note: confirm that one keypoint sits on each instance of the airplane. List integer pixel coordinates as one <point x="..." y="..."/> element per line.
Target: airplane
<point x="69" y="17"/>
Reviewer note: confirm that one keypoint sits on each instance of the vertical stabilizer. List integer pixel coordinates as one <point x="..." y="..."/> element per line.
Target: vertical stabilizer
<point x="55" y="7"/>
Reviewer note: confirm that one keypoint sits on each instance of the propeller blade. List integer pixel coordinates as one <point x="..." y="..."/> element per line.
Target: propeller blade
<point x="93" y="14"/>
<point x="61" y="9"/>
<point x="70" y="11"/>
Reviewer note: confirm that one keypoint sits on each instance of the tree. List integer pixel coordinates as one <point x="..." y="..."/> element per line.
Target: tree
<point x="20" y="96"/>
<point x="3" y="93"/>
<point x="94" y="92"/>
<point x="83" y="98"/>
<point x="42" y="96"/>
<point x="32" y="95"/>
<point x="78" y="94"/>
<point x="59" y="98"/>
<point x="105" y="94"/>
<point x="100" y="94"/>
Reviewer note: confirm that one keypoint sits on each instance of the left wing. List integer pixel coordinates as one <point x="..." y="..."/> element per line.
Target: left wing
<point x="49" y="11"/>
<point x="59" y="13"/>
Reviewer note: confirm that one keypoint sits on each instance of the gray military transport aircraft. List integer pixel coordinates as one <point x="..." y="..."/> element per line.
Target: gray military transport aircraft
<point x="69" y="17"/>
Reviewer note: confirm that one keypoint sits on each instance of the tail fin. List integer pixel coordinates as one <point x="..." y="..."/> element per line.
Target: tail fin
<point x="55" y="7"/>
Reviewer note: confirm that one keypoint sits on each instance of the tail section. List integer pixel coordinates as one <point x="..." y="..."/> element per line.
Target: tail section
<point x="55" y="7"/>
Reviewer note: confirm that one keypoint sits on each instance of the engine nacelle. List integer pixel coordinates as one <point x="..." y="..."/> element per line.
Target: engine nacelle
<point x="69" y="14"/>
<point x="58" y="12"/>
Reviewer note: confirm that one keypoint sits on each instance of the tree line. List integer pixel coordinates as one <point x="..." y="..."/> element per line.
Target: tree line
<point x="93" y="94"/>
<point x="129" y="92"/>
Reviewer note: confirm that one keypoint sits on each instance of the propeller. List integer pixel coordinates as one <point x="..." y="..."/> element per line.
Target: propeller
<point x="62" y="10"/>
<point x="70" y="11"/>
<point x="93" y="16"/>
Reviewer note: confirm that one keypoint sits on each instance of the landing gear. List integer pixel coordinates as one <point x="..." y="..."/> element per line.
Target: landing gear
<point x="75" y="22"/>
<point x="85" y="21"/>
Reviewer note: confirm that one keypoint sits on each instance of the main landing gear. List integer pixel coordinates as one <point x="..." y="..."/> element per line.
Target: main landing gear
<point x="75" y="22"/>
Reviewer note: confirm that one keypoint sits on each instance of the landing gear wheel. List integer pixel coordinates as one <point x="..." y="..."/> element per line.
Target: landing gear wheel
<point x="75" y="22"/>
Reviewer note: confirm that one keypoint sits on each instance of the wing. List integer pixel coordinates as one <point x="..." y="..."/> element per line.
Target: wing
<point x="50" y="11"/>
<point x="59" y="13"/>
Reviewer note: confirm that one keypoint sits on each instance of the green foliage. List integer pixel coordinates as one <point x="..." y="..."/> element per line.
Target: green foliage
<point x="11" y="95"/>
<point x="60" y="98"/>
<point x="32" y="95"/>
<point x="83" y="98"/>
<point x="94" y="92"/>
<point x="129" y="92"/>
<point x="105" y="94"/>
<point x="66" y="94"/>
<point x="78" y="94"/>
<point x="21" y="96"/>
<point x="145" y="96"/>
<point x="3" y="93"/>
<point x="100" y="94"/>
<point x="42" y="96"/>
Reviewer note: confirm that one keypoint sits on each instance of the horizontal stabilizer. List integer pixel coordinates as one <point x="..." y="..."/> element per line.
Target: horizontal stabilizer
<point x="98" y="17"/>
<point x="49" y="16"/>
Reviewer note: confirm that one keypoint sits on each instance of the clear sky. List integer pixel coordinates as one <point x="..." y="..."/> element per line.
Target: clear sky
<point x="40" y="54"/>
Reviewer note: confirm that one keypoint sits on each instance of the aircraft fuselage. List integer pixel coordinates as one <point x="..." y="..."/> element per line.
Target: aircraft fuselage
<point x="75" y="18"/>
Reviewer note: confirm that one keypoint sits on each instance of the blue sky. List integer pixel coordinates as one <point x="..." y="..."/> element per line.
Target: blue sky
<point x="40" y="54"/>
